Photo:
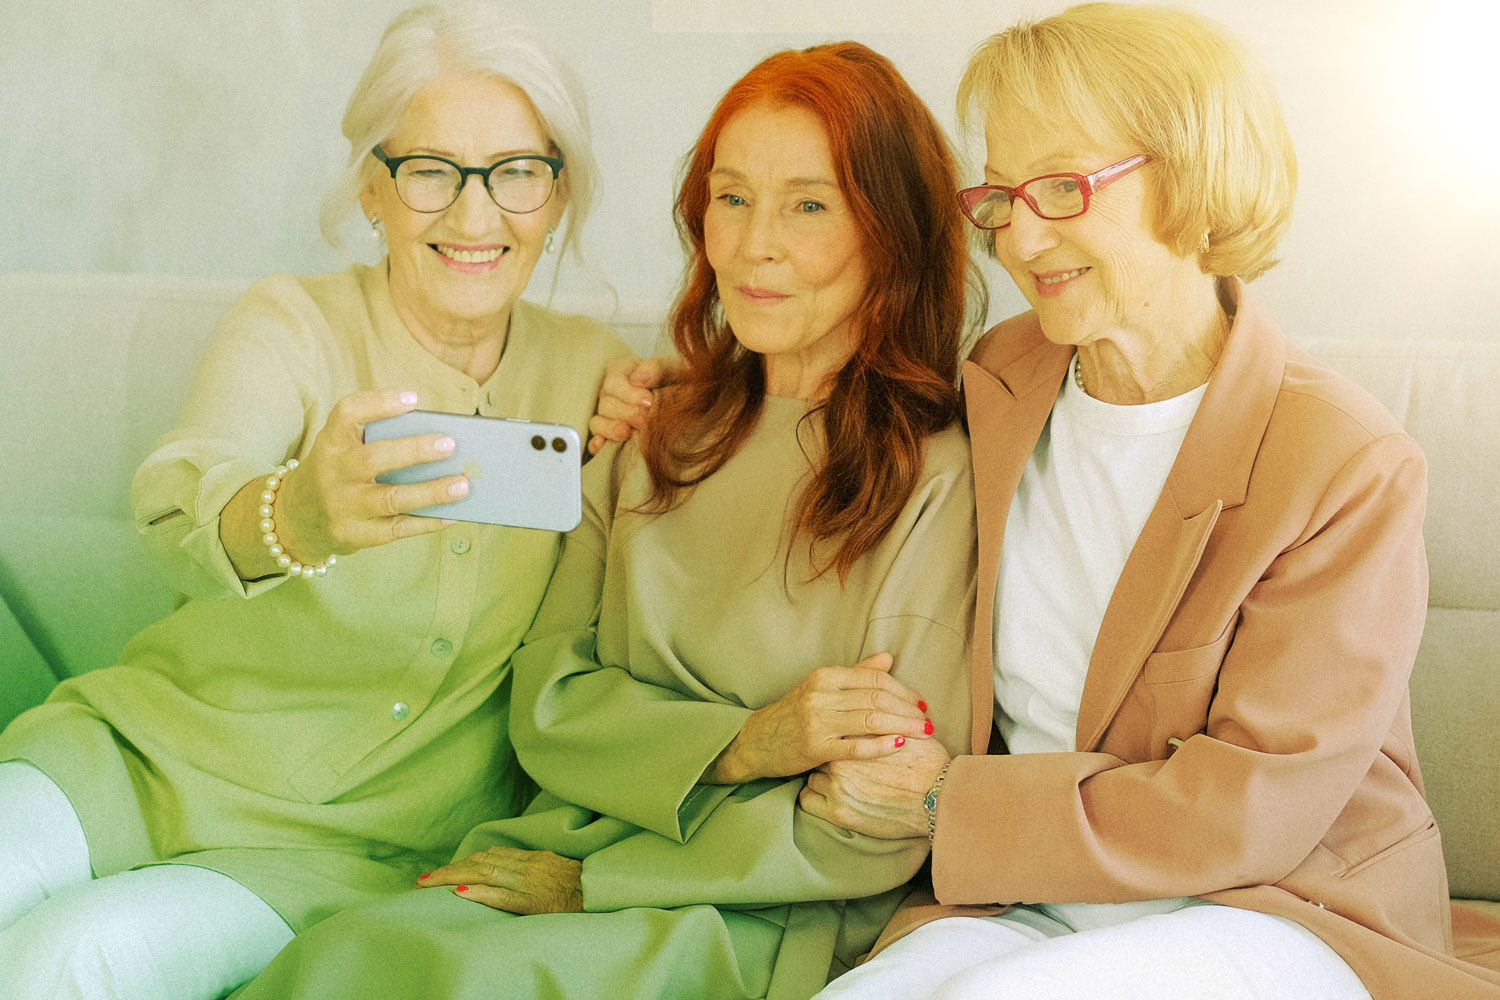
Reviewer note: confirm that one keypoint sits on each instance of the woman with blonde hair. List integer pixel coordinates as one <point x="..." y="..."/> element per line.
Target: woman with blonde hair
<point x="324" y="717"/>
<point x="1201" y="578"/>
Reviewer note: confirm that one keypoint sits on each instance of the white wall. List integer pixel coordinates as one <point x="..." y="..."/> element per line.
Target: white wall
<point x="196" y="137"/>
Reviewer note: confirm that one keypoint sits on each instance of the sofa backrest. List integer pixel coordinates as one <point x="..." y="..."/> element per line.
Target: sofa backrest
<point x="96" y="368"/>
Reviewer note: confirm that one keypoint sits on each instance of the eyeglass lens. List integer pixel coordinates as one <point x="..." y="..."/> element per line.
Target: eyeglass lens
<point x="1055" y="198"/>
<point x="519" y="186"/>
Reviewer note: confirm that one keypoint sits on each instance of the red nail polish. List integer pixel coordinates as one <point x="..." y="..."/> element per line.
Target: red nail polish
<point x="900" y="741"/>
<point x="460" y="888"/>
<point x="927" y="726"/>
<point x="425" y="875"/>
<point x="921" y="705"/>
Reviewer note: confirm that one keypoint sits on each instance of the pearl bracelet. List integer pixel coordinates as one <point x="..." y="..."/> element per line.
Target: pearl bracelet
<point x="268" y="528"/>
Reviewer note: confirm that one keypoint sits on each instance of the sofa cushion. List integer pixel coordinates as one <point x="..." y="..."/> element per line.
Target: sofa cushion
<point x="27" y="677"/>
<point x="96" y="369"/>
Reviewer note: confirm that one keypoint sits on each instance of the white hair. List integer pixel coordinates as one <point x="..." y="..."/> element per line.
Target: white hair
<point x="426" y="41"/>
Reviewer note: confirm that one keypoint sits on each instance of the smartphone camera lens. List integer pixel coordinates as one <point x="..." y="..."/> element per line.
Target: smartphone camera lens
<point x="558" y="444"/>
<point x="538" y="442"/>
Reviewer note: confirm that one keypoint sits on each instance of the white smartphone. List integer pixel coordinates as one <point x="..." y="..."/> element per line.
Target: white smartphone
<point x="521" y="473"/>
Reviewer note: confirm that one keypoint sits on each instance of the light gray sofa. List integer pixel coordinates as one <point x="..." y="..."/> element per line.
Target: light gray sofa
<point x="96" y="366"/>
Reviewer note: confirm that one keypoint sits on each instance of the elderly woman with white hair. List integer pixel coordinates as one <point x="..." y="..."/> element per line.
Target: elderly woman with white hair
<point x="299" y="735"/>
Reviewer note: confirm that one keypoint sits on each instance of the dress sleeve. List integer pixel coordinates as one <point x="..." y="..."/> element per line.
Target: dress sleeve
<point x="245" y="414"/>
<point x="584" y="730"/>
<point x="1310" y="680"/>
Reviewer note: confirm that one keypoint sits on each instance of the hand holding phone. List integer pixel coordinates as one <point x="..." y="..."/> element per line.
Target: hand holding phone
<point x="521" y="473"/>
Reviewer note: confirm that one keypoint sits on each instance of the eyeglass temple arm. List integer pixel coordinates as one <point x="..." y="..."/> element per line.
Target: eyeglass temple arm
<point x="1113" y="172"/>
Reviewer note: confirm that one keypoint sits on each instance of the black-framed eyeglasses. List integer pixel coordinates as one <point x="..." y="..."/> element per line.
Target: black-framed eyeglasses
<point x="1050" y="196"/>
<point x="518" y="184"/>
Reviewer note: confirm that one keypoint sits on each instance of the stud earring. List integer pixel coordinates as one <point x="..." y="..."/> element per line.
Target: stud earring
<point x="377" y="231"/>
<point x="1203" y="243"/>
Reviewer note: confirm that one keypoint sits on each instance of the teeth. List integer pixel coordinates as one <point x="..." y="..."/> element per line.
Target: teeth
<point x="1062" y="277"/>
<point x="469" y="256"/>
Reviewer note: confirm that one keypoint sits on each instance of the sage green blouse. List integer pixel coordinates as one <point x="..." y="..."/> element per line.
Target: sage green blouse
<point x="317" y="740"/>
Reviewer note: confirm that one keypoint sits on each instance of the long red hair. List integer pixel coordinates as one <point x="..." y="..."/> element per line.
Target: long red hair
<point x="897" y="174"/>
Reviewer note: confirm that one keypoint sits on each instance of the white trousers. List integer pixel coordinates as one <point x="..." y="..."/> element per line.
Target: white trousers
<point x="167" y="932"/>
<point x="1205" y="951"/>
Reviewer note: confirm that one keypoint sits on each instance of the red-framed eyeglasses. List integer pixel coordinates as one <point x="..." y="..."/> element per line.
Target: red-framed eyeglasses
<point x="1050" y="196"/>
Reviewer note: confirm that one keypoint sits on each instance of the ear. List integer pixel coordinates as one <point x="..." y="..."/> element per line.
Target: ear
<point x="369" y="201"/>
<point x="558" y="205"/>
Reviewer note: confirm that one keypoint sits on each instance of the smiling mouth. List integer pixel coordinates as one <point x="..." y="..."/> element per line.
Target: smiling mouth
<point x="469" y="256"/>
<point x="1055" y="279"/>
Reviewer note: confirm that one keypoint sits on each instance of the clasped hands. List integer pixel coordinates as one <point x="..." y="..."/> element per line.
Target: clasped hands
<point x="862" y="737"/>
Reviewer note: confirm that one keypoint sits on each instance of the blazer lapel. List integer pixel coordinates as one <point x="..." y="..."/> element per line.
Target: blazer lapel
<point x="1210" y="474"/>
<point x="1007" y="407"/>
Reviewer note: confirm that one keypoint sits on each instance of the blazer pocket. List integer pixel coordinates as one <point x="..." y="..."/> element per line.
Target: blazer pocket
<point x="1418" y="836"/>
<point x="1178" y="665"/>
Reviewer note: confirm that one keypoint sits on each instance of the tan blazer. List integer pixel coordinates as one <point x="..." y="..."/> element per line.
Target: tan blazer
<point x="1244" y="733"/>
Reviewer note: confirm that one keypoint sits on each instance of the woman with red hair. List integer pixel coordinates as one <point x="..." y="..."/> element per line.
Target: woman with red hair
<point x="778" y="575"/>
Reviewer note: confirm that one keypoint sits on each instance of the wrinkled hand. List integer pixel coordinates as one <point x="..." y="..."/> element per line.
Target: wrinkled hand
<point x="508" y="878"/>
<point x="834" y="713"/>
<point x="625" y="397"/>
<point x="879" y="798"/>
<point x="332" y="502"/>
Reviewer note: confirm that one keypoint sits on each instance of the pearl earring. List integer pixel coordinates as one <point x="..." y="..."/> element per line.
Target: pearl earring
<point x="377" y="231"/>
<point x="547" y="244"/>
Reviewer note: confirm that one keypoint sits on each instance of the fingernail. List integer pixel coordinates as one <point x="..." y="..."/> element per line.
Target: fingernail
<point x="409" y="398"/>
<point x="443" y="444"/>
<point x="458" y="489"/>
<point x="921" y="705"/>
<point x="460" y="888"/>
<point x="425" y="875"/>
<point x="900" y="742"/>
<point x="927" y="727"/>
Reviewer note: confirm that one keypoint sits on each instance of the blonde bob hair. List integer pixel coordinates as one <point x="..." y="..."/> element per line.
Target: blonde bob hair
<point x="1174" y="85"/>
<point x="424" y="42"/>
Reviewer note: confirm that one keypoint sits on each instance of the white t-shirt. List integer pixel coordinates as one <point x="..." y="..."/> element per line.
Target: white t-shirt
<point x="1088" y="488"/>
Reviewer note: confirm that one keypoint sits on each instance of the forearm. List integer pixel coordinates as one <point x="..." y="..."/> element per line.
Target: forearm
<point x="757" y="848"/>
<point x="597" y="736"/>
<point x="239" y="531"/>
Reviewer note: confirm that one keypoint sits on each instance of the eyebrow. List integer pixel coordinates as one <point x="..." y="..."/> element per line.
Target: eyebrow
<point x="735" y="175"/>
<point x="492" y="158"/>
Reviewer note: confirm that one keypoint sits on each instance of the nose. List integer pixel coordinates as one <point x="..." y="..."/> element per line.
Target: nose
<point x="473" y="213"/>
<point x="1027" y="235"/>
<point x="762" y="236"/>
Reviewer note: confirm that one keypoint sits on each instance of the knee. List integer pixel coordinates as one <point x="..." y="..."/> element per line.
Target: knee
<point x="77" y="950"/>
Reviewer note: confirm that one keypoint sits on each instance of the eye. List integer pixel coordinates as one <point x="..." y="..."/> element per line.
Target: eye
<point x="732" y="200"/>
<point x="810" y="207"/>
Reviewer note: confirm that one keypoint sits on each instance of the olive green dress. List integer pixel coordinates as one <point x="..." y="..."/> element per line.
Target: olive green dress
<point x="658" y="637"/>
<point x="320" y="741"/>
